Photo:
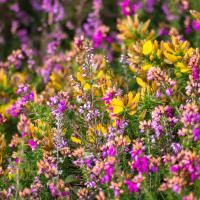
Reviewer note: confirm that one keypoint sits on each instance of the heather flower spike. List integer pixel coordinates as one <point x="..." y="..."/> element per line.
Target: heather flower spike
<point x="99" y="99"/>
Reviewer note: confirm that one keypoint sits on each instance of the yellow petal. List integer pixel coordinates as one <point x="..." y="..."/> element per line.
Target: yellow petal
<point x="76" y="140"/>
<point x="185" y="70"/>
<point x="183" y="67"/>
<point x="91" y="136"/>
<point x="143" y="114"/>
<point x="137" y="98"/>
<point x="100" y="74"/>
<point x="118" y="105"/>
<point x="86" y="87"/>
<point x="167" y="47"/>
<point x="130" y="98"/>
<point x="140" y="82"/>
<point x="133" y="69"/>
<point x="158" y="53"/>
<point x="146" y="67"/>
<point x="132" y="104"/>
<point x="190" y="51"/>
<point x="180" y="65"/>
<point x="80" y="78"/>
<point x="10" y="176"/>
<point x="128" y="140"/>
<point x="147" y="47"/>
<point x="184" y="45"/>
<point x="172" y="58"/>
<point x="101" y="128"/>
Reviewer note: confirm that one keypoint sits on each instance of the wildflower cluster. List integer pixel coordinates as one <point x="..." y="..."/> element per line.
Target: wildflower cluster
<point x="100" y="99"/>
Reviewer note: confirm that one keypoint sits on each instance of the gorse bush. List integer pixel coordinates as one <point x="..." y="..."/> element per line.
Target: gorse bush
<point x="100" y="99"/>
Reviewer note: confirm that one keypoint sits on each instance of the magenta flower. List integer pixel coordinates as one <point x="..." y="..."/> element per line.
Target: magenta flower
<point x="196" y="134"/>
<point x="118" y="122"/>
<point x="109" y="170"/>
<point x="32" y="144"/>
<point x="141" y="165"/>
<point x="154" y="169"/>
<point x="132" y="187"/>
<point x="97" y="39"/>
<point x="196" y="25"/>
<point x="108" y="97"/>
<point x="126" y="7"/>
<point x="62" y="106"/>
<point x="105" y="179"/>
<point x="17" y="160"/>
<point x="175" y="168"/>
<point x="195" y="73"/>
<point x="111" y="151"/>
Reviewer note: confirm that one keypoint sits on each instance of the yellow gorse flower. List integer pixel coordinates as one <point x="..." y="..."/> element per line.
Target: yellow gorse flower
<point x="76" y="140"/>
<point x="178" y="53"/>
<point x="127" y="103"/>
<point x="140" y="82"/>
<point x="55" y="80"/>
<point x="86" y="86"/>
<point x="143" y="55"/>
<point x="117" y="105"/>
<point x="147" y="47"/>
<point x="101" y="128"/>
<point x="90" y="135"/>
<point x="146" y="67"/>
<point x="92" y="132"/>
<point x="131" y="29"/>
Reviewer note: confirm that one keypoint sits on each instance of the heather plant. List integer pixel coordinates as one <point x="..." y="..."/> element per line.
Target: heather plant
<point x="100" y="100"/>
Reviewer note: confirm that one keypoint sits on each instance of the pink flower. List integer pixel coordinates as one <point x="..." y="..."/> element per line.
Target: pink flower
<point x="168" y="92"/>
<point x="176" y="188"/>
<point x="32" y="144"/>
<point x="17" y="160"/>
<point x="158" y="93"/>
<point x="24" y="134"/>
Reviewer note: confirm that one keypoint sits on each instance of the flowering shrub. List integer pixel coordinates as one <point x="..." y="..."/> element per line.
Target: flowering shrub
<point x="100" y="99"/>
